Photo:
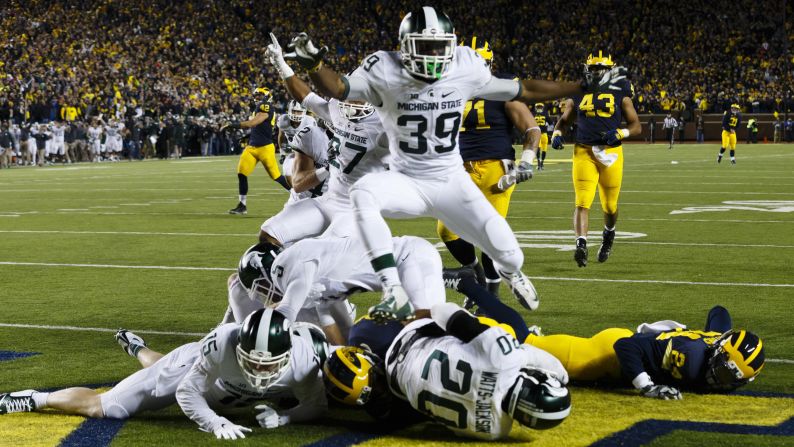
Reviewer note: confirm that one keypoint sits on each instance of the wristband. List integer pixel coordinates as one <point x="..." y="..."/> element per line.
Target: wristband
<point x="531" y="129"/>
<point x="556" y="133"/>
<point x="642" y="380"/>
<point x="624" y="133"/>
<point x="322" y="173"/>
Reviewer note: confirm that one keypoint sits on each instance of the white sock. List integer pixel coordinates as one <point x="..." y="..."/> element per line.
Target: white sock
<point x="242" y="199"/>
<point x="609" y="229"/>
<point x="40" y="399"/>
<point x="389" y="276"/>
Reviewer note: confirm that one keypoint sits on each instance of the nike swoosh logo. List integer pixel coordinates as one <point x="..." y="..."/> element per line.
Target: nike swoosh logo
<point x="444" y="95"/>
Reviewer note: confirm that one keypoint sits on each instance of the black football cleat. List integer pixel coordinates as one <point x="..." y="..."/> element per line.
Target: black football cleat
<point x="606" y="245"/>
<point x="453" y="277"/>
<point x="19" y="402"/>
<point x="580" y="254"/>
<point x="239" y="209"/>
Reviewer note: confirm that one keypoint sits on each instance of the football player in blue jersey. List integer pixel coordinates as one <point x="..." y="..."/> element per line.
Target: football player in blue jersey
<point x="730" y="122"/>
<point x="598" y="152"/>
<point x="486" y="146"/>
<point x="661" y="358"/>
<point x="260" y="147"/>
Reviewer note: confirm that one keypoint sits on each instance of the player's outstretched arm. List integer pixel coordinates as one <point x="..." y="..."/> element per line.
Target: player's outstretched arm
<point x="524" y="121"/>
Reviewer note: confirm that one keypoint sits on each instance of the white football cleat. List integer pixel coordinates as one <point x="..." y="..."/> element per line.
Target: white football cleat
<point x="522" y="288"/>
<point x="130" y="342"/>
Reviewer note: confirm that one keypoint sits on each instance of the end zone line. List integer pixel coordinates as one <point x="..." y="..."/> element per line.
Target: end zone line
<point x="101" y="329"/>
<point x="115" y="266"/>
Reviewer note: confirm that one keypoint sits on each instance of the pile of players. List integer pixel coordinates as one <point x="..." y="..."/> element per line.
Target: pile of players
<point x="290" y="329"/>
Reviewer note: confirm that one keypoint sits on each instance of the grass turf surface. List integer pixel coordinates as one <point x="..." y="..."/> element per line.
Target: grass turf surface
<point x="667" y="265"/>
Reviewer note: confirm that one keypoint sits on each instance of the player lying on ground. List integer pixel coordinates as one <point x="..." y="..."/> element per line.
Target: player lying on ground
<point x="321" y="273"/>
<point x="233" y="366"/>
<point x="420" y="93"/>
<point x="663" y="357"/>
<point x="473" y="378"/>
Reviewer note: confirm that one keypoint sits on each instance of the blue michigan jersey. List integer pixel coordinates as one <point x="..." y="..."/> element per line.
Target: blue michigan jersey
<point x="486" y="132"/>
<point x="677" y="358"/>
<point x="262" y="135"/>
<point x="730" y="120"/>
<point x="598" y="113"/>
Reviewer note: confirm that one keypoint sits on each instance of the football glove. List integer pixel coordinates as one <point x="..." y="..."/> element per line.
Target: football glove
<point x="303" y="51"/>
<point x="613" y="137"/>
<point x="276" y="58"/>
<point x="523" y="172"/>
<point x="230" y="125"/>
<point x="557" y="141"/>
<point x="604" y="80"/>
<point x="506" y="181"/>
<point x="225" y="429"/>
<point x="268" y="417"/>
<point x="663" y="392"/>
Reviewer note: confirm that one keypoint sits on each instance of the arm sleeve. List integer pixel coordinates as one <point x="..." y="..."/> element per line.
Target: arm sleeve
<point x="298" y="280"/>
<point x="190" y="395"/>
<point x="630" y="353"/>
<point x="499" y="90"/>
<point x="457" y="322"/>
<point x="318" y="105"/>
<point x="312" y="401"/>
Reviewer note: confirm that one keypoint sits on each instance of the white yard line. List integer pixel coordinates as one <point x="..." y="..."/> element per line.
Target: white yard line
<point x="549" y="278"/>
<point x="100" y="329"/>
<point x="116" y="266"/>
<point x="156" y="233"/>
<point x="640" y="219"/>
<point x="660" y="281"/>
<point x="127" y="233"/>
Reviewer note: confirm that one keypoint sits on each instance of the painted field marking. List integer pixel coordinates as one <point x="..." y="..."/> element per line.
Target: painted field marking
<point x="548" y="278"/>
<point x="100" y="329"/>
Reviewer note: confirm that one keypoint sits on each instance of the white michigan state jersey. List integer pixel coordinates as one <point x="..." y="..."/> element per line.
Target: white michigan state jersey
<point x="58" y="133"/>
<point x="94" y="133"/>
<point x="462" y="385"/>
<point x="341" y="267"/>
<point x="422" y="119"/>
<point x="312" y="141"/>
<point x="285" y="125"/>
<point x="217" y="366"/>
<point x="357" y="148"/>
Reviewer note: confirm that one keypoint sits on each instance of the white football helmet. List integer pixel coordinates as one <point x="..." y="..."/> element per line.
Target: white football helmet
<point x="356" y="110"/>
<point x="427" y="43"/>
<point x="295" y="111"/>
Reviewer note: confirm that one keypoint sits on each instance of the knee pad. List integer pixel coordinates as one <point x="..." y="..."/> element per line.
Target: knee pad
<point x="113" y="410"/>
<point x="508" y="256"/>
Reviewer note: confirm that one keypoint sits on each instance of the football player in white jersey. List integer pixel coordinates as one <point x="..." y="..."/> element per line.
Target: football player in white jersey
<point x="474" y="378"/>
<point x="95" y="139"/>
<point x="113" y="144"/>
<point x="290" y="124"/>
<point x="58" y="147"/>
<point x="420" y="93"/>
<point x="235" y="365"/>
<point x="358" y="147"/>
<point x="321" y="273"/>
<point x="307" y="172"/>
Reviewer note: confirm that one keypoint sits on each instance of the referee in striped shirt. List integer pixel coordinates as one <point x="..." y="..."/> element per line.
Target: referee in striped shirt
<point x="670" y="124"/>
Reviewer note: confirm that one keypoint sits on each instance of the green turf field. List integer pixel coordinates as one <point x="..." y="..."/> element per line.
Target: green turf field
<point x="88" y="248"/>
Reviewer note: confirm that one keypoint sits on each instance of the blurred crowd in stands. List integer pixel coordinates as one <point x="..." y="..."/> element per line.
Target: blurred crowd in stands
<point x="182" y="68"/>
